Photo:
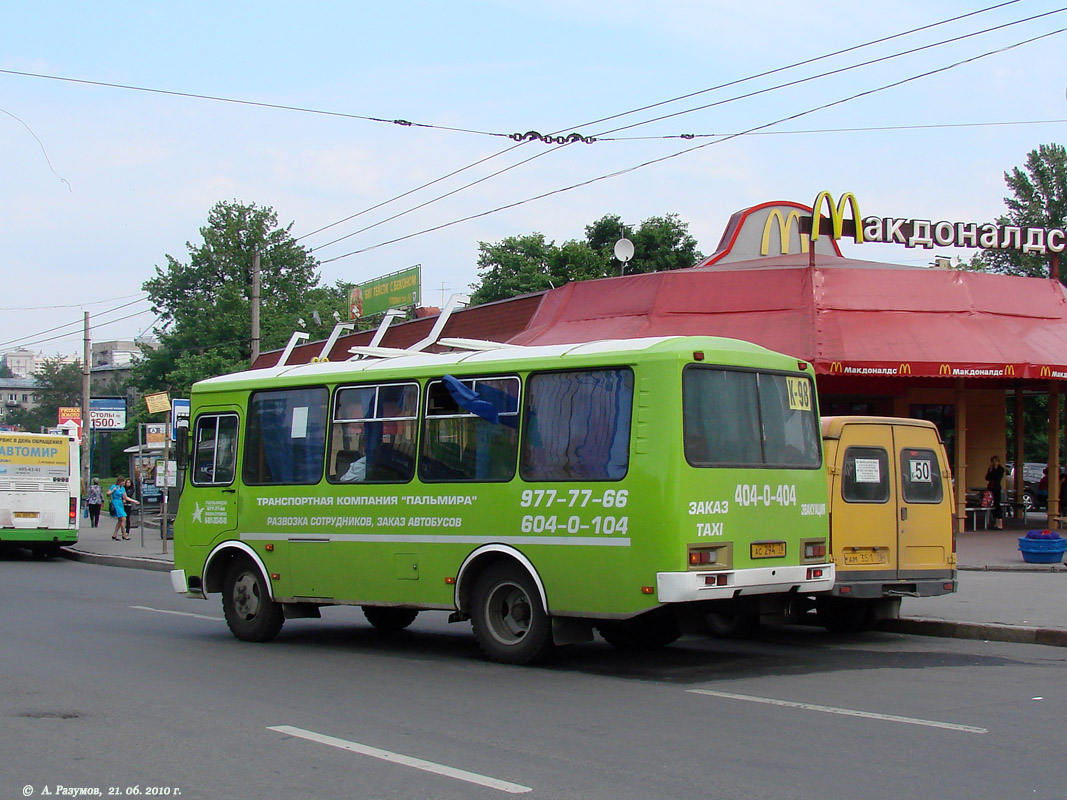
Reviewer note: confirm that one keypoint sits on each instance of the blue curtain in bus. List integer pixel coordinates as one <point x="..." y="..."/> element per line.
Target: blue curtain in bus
<point x="487" y="401"/>
<point x="292" y="431"/>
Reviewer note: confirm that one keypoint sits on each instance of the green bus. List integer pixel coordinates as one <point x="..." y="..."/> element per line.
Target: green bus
<point x="630" y="486"/>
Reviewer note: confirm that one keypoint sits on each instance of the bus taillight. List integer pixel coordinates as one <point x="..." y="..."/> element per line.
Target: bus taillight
<point x="73" y="510"/>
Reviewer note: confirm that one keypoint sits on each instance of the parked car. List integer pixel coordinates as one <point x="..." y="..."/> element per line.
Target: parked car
<point x="1035" y="496"/>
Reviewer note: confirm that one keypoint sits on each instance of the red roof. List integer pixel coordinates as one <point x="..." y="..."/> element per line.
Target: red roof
<point x="843" y="315"/>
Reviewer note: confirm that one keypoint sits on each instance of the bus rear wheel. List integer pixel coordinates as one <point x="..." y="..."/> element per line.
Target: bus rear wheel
<point x="509" y="620"/>
<point x="251" y="614"/>
<point x="733" y="624"/>
<point x="389" y="620"/>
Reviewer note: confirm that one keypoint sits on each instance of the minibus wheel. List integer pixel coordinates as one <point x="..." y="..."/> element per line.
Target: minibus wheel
<point x="509" y="621"/>
<point x="389" y="620"/>
<point x="251" y="614"/>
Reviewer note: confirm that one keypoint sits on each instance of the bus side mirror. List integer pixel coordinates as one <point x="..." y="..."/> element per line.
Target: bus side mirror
<point x="182" y="447"/>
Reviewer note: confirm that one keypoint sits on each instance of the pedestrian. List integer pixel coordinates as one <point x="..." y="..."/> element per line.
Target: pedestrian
<point x="119" y="499"/>
<point x="129" y="493"/>
<point x="994" y="479"/>
<point x="94" y="499"/>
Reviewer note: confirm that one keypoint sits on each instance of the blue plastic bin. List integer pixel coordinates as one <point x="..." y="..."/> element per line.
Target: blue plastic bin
<point x="1042" y="551"/>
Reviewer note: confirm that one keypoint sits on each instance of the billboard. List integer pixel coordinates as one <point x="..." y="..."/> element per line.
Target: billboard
<point x="107" y="413"/>
<point x="396" y="290"/>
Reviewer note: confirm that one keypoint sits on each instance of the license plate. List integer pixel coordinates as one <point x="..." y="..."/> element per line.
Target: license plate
<point x="861" y="557"/>
<point x="25" y="515"/>
<point x="767" y="549"/>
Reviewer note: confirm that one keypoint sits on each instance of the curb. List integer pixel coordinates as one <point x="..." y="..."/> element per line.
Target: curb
<point x="988" y="631"/>
<point x="1020" y="568"/>
<point x="130" y="562"/>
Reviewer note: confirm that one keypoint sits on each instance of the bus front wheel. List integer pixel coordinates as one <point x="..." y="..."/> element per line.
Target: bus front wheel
<point x="389" y="620"/>
<point x="251" y="614"/>
<point x="509" y="621"/>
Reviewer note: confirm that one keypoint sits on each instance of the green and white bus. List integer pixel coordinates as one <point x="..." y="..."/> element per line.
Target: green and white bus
<point x="631" y="486"/>
<point x="40" y="491"/>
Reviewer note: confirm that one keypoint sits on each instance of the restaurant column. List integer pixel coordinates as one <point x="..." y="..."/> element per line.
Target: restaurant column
<point x="961" y="456"/>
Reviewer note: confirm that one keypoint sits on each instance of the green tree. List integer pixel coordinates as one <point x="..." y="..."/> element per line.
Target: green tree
<point x="55" y="384"/>
<point x="5" y="370"/>
<point x="205" y="304"/>
<point x="522" y="264"/>
<point x="1039" y="200"/>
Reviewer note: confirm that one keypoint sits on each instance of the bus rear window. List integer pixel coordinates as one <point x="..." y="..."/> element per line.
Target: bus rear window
<point x="285" y="440"/>
<point x="578" y="426"/>
<point x="741" y="418"/>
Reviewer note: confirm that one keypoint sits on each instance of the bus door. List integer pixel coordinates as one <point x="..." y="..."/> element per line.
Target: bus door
<point x="925" y="538"/>
<point x="213" y="471"/>
<point x="864" y="511"/>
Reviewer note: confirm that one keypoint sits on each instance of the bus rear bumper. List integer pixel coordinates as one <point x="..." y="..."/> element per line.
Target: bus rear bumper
<point x="686" y="587"/>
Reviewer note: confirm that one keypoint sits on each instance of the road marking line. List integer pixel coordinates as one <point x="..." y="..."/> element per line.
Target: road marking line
<point x="178" y="613"/>
<point x="845" y="711"/>
<point x="397" y="758"/>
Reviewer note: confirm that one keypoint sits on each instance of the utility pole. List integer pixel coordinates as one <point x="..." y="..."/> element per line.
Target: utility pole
<point x="255" y="306"/>
<point x="86" y="390"/>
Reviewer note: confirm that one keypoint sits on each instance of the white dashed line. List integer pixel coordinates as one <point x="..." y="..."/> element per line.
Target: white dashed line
<point x="929" y="723"/>
<point x="407" y="761"/>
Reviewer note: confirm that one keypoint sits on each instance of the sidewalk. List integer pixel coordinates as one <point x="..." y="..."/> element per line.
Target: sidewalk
<point x="1000" y="597"/>
<point x="143" y="550"/>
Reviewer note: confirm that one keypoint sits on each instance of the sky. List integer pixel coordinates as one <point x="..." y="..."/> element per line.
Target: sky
<point x="101" y="183"/>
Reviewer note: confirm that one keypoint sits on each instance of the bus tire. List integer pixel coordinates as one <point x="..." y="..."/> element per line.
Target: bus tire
<point x="251" y="614"/>
<point x="389" y="620"/>
<point x="733" y="624"/>
<point x="650" y="631"/>
<point x="509" y="621"/>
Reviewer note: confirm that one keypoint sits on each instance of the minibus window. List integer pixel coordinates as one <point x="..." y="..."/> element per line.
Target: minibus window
<point x="920" y="476"/>
<point x="471" y="430"/>
<point x="285" y="438"/>
<point x="578" y="426"/>
<point x="865" y="475"/>
<point x="373" y="434"/>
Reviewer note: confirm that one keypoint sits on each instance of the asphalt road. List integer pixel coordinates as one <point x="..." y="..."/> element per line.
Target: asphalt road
<point x="110" y="682"/>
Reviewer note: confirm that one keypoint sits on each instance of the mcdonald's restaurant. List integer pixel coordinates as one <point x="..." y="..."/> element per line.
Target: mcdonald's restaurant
<point x="959" y="348"/>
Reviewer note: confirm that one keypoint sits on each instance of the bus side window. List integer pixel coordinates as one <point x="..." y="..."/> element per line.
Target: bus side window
<point x="372" y="438"/>
<point x="865" y="475"/>
<point x="215" y="450"/>
<point x="471" y="430"/>
<point x="285" y="436"/>
<point x="578" y="426"/>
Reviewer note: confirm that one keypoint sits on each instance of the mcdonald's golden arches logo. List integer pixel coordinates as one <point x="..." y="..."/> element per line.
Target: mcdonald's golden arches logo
<point x="904" y="369"/>
<point x="835" y="366"/>
<point x="944" y="369"/>
<point x="1046" y="372"/>
<point x="785" y="225"/>
<point x="837" y="215"/>
<point x="1009" y="369"/>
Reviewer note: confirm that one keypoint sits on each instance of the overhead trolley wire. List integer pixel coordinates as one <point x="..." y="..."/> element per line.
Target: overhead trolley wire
<point x="724" y="101"/>
<point x="19" y="342"/>
<point x="686" y="151"/>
